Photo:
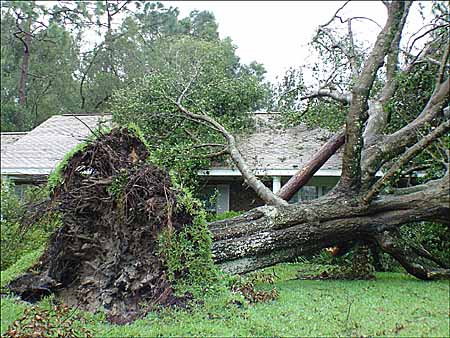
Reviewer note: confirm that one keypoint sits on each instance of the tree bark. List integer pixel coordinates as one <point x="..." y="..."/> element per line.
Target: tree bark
<point x="272" y="234"/>
<point x="302" y="176"/>
<point x="20" y="119"/>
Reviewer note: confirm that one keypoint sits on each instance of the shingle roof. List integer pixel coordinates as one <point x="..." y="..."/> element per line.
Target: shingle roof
<point x="8" y="138"/>
<point x="273" y="146"/>
<point x="270" y="146"/>
<point x="40" y="150"/>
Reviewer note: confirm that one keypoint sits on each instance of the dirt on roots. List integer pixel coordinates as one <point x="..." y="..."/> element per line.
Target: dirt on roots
<point x="112" y="205"/>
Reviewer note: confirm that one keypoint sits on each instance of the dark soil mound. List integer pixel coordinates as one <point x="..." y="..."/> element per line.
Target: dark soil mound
<point x="113" y="204"/>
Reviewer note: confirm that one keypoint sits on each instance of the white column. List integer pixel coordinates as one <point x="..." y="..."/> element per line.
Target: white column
<point x="276" y="184"/>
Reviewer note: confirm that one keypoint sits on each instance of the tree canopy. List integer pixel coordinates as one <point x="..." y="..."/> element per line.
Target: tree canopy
<point x="72" y="57"/>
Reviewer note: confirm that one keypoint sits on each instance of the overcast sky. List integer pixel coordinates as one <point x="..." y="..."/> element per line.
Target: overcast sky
<point x="276" y="33"/>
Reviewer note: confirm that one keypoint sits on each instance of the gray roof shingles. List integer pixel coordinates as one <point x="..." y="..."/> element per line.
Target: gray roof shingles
<point x="270" y="146"/>
<point x="40" y="150"/>
<point x="8" y="138"/>
<point x="273" y="146"/>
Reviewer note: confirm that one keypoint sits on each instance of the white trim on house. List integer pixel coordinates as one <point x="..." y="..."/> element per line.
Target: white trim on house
<point x="276" y="172"/>
<point x="276" y="184"/>
<point x="266" y="172"/>
<point x="26" y="171"/>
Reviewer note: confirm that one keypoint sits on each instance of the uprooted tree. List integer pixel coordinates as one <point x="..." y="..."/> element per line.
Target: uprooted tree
<point x="105" y="253"/>
<point x="359" y="208"/>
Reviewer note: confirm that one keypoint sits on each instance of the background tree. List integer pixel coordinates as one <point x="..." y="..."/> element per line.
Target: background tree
<point x="71" y="57"/>
<point x="208" y="72"/>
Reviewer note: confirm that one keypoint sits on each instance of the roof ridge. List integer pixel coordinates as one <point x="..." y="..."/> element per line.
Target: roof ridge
<point x="14" y="132"/>
<point x="84" y="114"/>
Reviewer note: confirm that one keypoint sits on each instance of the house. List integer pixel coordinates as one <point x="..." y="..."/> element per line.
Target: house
<point x="28" y="158"/>
<point x="272" y="151"/>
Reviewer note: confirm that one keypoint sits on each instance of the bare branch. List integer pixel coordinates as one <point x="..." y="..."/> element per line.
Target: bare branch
<point x="351" y="52"/>
<point x="335" y="15"/>
<point x="406" y="157"/>
<point x="209" y="145"/>
<point x="188" y="86"/>
<point x="214" y="155"/>
<point x="425" y="34"/>
<point x="363" y="18"/>
<point x="261" y="190"/>
<point x="334" y="94"/>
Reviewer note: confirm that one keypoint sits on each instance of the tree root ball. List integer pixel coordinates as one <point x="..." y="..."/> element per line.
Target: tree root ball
<point x="112" y="204"/>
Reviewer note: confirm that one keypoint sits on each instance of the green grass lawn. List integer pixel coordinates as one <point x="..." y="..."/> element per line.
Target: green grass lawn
<point x="393" y="304"/>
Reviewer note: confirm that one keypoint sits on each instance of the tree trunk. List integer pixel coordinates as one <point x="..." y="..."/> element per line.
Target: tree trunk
<point x="24" y="71"/>
<point x="302" y="176"/>
<point x="271" y="234"/>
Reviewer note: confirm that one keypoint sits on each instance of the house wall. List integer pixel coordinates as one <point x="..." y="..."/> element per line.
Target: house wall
<point x="241" y="197"/>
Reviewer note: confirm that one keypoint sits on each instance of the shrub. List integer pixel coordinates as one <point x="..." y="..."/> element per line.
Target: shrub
<point x="187" y="253"/>
<point x="15" y="240"/>
<point x="212" y="217"/>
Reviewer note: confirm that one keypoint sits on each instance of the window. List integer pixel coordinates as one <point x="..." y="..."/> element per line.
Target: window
<point x="19" y="190"/>
<point x="216" y="198"/>
<point x="310" y="192"/>
<point x="306" y="193"/>
<point x="326" y="189"/>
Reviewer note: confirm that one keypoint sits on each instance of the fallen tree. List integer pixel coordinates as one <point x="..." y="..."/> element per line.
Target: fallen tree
<point x="105" y="253"/>
<point x="359" y="208"/>
<point x="272" y="234"/>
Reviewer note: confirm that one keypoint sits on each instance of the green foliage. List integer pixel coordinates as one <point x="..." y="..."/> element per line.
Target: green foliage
<point x="55" y="178"/>
<point x="434" y="237"/>
<point x="20" y="266"/>
<point x="17" y="241"/>
<point x="314" y="112"/>
<point x="65" y="73"/>
<point x="53" y="58"/>
<point x="329" y="115"/>
<point x="217" y="86"/>
<point x="116" y="187"/>
<point x="212" y="217"/>
<point x="187" y="253"/>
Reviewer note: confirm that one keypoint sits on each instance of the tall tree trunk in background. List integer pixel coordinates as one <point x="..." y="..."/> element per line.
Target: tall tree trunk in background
<point x="20" y="115"/>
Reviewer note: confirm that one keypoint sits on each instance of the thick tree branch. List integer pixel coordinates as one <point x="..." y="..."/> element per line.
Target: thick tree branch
<point x="271" y="234"/>
<point x="378" y="115"/>
<point x="443" y="64"/>
<point x="261" y="190"/>
<point x="392" y="145"/>
<point x="302" y="176"/>
<point x="409" y="258"/>
<point x="406" y="157"/>
<point x="357" y="115"/>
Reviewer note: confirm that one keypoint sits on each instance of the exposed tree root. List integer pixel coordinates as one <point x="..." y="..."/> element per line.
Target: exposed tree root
<point x="105" y="255"/>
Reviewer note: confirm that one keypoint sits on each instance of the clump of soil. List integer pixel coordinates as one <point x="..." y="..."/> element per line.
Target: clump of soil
<point x="113" y="204"/>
